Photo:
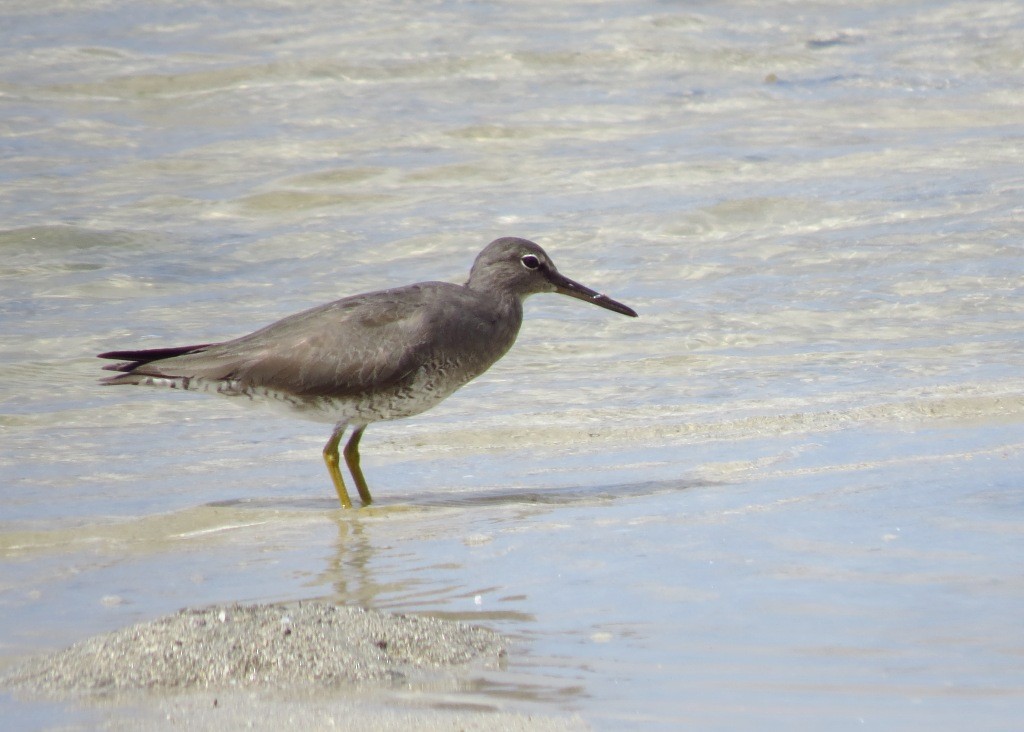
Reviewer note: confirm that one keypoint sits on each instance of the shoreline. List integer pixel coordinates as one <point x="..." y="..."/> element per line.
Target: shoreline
<point x="272" y="664"/>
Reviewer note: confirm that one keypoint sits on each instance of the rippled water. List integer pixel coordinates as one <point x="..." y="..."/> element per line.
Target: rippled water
<point x="789" y="494"/>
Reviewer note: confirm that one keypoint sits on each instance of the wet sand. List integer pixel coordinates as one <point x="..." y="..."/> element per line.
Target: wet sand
<point x="270" y="665"/>
<point x="252" y="712"/>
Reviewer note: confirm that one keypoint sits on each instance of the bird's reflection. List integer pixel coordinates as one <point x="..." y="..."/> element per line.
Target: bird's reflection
<point x="370" y="569"/>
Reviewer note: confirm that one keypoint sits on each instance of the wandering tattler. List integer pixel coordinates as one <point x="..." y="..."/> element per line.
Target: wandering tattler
<point x="365" y="358"/>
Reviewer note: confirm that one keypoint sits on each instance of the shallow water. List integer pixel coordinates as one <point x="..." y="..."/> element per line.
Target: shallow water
<point x="788" y="494"/>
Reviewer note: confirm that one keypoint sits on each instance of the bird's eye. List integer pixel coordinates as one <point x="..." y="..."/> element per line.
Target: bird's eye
<point x="530" y="261"/>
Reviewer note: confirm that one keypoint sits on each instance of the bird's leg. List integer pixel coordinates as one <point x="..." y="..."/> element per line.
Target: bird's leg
<point x="352" y="461"/>
<point x="331" y="458"/>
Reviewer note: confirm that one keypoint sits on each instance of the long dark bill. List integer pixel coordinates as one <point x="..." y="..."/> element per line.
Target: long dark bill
<point x="565" y="286"/>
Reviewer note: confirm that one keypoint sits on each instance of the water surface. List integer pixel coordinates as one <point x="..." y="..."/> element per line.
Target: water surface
<point x="788" y="494"/>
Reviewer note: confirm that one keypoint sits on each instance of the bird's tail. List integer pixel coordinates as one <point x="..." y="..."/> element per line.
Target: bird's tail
<point x="131" y="360"/>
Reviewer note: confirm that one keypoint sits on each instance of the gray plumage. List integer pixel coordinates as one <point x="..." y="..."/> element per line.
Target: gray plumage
<point x="380" y="355"/>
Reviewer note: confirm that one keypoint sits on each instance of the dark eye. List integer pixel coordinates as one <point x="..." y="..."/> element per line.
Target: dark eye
<point x="530" y="261"/>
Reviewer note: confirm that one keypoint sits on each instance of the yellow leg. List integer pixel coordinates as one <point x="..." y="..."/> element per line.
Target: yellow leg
<point x="352" y="461"/>
<point x="331" y="458"/>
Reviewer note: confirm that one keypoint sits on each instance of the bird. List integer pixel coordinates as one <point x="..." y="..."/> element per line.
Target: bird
<point x="365" y="358"/>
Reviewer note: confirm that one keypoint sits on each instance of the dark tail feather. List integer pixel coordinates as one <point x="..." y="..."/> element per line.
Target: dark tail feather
<point x="131" y="360"/>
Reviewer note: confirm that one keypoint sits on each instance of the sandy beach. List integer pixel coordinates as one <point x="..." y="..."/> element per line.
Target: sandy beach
<point x="274" y="666"/>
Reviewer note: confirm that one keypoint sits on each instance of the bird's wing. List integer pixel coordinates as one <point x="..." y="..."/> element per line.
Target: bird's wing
<point x="353" y="345"/>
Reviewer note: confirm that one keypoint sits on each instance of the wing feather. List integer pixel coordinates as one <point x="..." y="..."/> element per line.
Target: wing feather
<point x="350" y="346"/>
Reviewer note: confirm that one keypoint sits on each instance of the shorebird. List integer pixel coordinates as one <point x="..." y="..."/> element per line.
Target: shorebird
<point x="362" y="359"/>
